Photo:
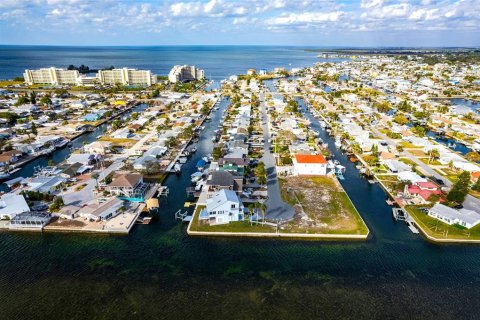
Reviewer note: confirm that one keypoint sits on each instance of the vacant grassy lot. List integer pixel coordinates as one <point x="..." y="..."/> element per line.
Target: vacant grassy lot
<point x="321" y="206"/>
<point x="121" y="142"/>
<point x="437" y="229"/>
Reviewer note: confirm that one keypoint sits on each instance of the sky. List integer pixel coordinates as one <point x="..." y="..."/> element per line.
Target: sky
<point x="241" y="22"/>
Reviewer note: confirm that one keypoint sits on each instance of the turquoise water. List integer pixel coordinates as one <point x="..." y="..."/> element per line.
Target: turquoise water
<point x="158" y="272"/>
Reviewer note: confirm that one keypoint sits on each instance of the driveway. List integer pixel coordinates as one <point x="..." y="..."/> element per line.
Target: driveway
<point x="85" y="195"/>
<point x="276" y="208"/>
<point x="470" y="202"/>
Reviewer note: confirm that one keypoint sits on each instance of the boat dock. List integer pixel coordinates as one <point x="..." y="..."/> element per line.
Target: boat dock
<point x="399" y="214"/>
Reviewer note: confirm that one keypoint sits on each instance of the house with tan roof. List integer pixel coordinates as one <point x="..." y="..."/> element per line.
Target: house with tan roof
<point x="128" y="185"/>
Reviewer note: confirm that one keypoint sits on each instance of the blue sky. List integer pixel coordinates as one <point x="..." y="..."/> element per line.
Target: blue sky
<point x="270" y="22"/>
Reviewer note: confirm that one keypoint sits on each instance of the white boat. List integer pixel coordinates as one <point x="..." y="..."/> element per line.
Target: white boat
<point x="62" y="143"/>
<point x="182" y="160"/>
<point x="199" y="185"/>
<point x="177" y="167"/>
<point x="338" y="143"/>
<point x="194" y="149"/>
<point x="214" y="139"/>
<point x="197" y="176"/>
<point x="323" y="124"/>
<point x="48" y="150"/>
<point x="4" y="175"/>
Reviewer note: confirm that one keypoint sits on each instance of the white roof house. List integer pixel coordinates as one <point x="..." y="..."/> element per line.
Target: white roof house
<point x="463" y="217"/>
<point x="12" y="204"/>
<point x="225" y="206"/>
<point x="410" y="176"/>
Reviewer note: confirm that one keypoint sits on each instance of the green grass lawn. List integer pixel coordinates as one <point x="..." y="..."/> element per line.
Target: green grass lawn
<point x="440" y="230"/>
<point x="408" y="145"/>
<point x="239" y="226"/>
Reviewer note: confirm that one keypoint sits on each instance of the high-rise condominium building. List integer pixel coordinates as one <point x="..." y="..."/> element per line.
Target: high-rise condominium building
<point x="55" y="76"/>
<point x="185" y="73"/>
<point x="127" y="76"/>
<point x="51" y="76"/>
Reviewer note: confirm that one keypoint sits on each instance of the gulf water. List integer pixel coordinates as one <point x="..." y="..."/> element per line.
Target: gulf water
<point x="159" y="272"/>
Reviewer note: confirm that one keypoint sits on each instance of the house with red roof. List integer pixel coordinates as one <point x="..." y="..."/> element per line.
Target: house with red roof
<point x="422" y="191"/>
<point x="310" y="164"/>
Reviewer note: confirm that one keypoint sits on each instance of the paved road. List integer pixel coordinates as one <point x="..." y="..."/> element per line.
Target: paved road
<point x="276" y="208"/>
<point x="470" y="202"/>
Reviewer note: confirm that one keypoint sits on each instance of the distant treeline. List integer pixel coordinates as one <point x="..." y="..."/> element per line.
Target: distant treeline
<point x="86" y="69"/>
<point x="398" y="51"/>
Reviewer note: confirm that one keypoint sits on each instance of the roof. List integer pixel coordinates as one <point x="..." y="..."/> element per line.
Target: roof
<point x="468" y="216"/>
<point x="12" y="204"/>
<point x="126" y="180"/>
<point x="221" y="197"/>
<point x="310" y="158"/>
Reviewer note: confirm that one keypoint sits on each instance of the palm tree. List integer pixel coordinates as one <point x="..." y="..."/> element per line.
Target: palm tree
<point x="434" y="154"/>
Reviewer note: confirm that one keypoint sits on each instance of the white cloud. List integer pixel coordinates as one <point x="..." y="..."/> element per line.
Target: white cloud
<point x="305" y="18"/>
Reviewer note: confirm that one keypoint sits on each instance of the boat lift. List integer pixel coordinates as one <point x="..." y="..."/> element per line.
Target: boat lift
<point x="182" y="216"/>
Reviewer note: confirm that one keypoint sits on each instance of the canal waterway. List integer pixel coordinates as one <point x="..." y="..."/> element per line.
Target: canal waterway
<point x="60" y="155"/>
<point x="159" y="272"/>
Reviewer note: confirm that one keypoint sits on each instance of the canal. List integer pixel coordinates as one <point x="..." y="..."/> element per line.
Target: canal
<point x="158" y="271"/>
<point x="60" y="155"/>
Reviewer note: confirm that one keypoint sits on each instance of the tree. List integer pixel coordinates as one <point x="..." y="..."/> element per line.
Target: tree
<point x="476" y="186"/>
<point x="22" y="100"/>
<point x="50" y="163"/>
<point x="116" y="124"/>
<point x="46" y="100"/>
<point x="400" y="119"/>
<point x="261" y="173"/>
<point x="56" y="205"/>
<point x="34" y="129"/>
<point x="434" y="154"/>
<point x="460" y="189"/>
<point x="33" y="97"/>
<point x="473" y="156"/>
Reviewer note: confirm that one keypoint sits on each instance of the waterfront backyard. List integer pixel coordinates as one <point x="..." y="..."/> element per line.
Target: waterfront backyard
<point x="439" y="231"/>
<point x="321" y="206"/>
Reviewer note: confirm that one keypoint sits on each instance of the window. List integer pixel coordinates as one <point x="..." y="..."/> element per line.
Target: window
<point x="233" y="206"/>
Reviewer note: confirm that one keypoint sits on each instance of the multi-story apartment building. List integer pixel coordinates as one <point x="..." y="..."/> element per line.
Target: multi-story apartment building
<point x="185" y="73"/>
<point x="127" y="76"/>
<point x="51" y="75"/>
<point x="56" y="76"/>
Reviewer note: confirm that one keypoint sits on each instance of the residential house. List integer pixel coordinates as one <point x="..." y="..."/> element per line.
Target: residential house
<point x="225" y="206"/>
<point x="310" y="164"/>
<point x="463" y="217"/>
<point x="12" y="204"/>
<point x="129" y="185"/>
<point x="9" y="157"/>
<point x="102" y="211"/>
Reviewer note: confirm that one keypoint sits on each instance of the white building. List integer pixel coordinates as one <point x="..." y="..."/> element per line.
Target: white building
<point x="225" y="206"/>
<point x="12" y="204"/>
<point x="185" y="73"/>
<point x="126" y="76"/>
<point x="58" y="76"/>
<point x="51" y="75"/>
<point x="463" y="217"/>
<point x="310" y="164"/>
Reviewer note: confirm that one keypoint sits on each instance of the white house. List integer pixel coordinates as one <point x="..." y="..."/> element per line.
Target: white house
<point x="12" y="204"/>
<point x="463" y="217"/>
<point x="310" y="164"/>
<point x="102" y="211"/>
<point x="225" y="206"/>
